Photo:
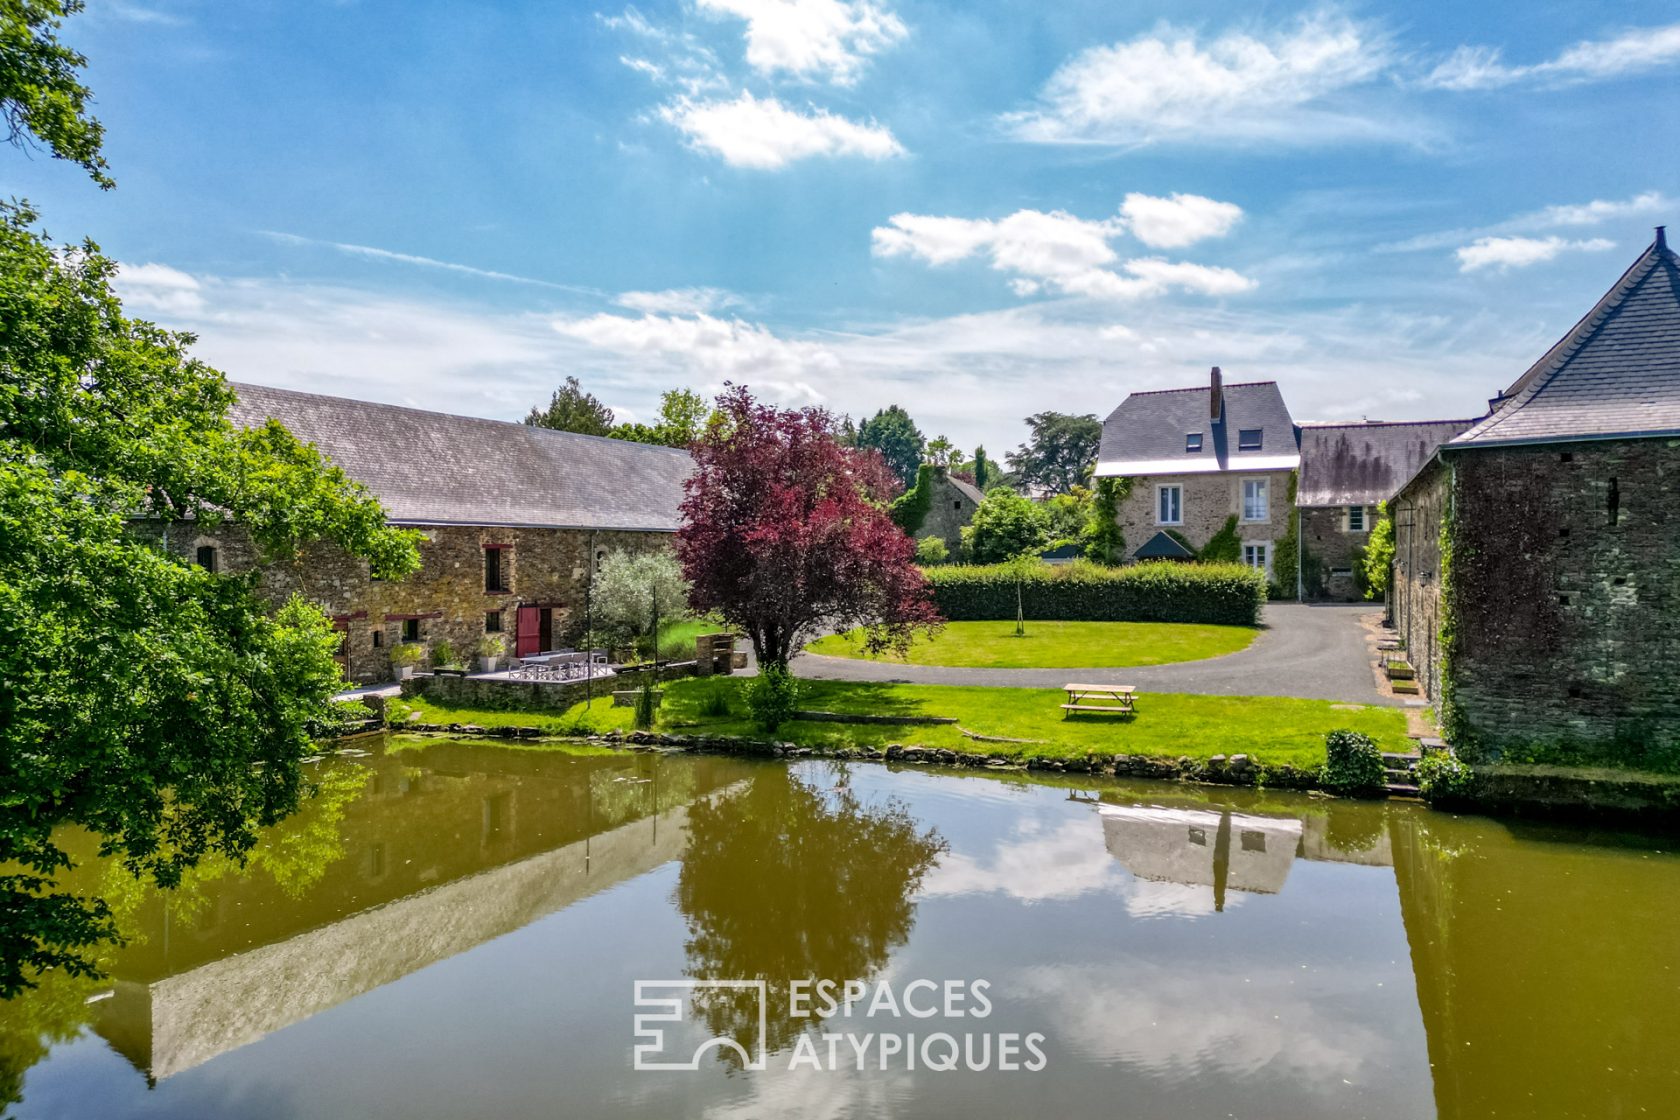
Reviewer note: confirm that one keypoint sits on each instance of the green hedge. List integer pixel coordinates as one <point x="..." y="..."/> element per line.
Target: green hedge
<point x="1229" y="594"/>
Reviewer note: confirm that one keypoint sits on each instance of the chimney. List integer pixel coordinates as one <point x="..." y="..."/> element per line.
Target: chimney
<point x="1662" y="238"/>
<point x="1216" y="396"/>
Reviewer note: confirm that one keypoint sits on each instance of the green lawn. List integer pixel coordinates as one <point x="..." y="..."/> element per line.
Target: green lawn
<point x="1058" y="645"/>
<point x="1270" y="730"/>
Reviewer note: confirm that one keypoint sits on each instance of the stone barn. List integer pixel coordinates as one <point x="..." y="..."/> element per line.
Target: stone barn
<point x="1537" y="562"/>
<point x="515" y="519"/>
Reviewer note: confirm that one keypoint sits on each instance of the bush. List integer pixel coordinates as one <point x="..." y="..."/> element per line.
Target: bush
<point x="1352" y="763"/>
<point x="1006" y="524"/>
<point x="491" y="645"/>
<point x="647" y="703"/>
<point x="772" y="696"/>
<point x="1441" y="777"/>
<point x="715" y="705"/>
<point x="444" y="655"/>
<point x="406" y="654"/>
<point x="931" y="551"/>
<point x="1228" y="594"/>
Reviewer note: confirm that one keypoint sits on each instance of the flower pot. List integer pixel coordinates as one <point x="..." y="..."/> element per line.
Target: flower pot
<point x="404" y="672"/>
<point x="488" y="664"/>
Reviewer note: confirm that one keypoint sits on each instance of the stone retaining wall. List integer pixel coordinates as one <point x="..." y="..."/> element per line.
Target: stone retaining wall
<point x="533" y="696"/>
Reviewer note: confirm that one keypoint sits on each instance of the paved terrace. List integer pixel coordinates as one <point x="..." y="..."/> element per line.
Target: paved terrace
<point x="1312" y="651"/>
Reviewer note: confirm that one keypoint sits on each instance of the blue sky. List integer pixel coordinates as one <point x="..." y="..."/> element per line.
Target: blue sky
<point x="978" y="210"/>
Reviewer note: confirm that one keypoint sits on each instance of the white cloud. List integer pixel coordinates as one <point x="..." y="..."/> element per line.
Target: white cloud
<point x="715" y="348"/>
<point x="371" y="253"/>
<point x="685" y="62"/>
<point x="1171" y="223"/>
<point x="159" y="288"/>
<point x="1168" y="85"/>
<point x="678" y="301"/>
<point x="765" y="134"/>
<point x="811" y="39"/>
<point x="1053" y="251"/>
<point x="1604" y="210"/>
<point x="1631" y="52"/>
<point x="1519" y="252"/>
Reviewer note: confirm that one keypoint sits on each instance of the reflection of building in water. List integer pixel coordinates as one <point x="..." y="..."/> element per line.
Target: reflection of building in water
<point x="1232" y="851"/>
<point x="446" y="849"/>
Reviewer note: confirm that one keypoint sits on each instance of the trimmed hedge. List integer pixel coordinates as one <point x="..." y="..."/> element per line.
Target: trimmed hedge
<point x="1164" y="591"/>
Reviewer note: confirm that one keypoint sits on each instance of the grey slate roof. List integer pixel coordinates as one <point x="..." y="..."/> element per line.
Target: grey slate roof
<point x="1146" y="434"/>
<point x="967" y="489"/>
<point x="1366" y="463"/>
<point x="1616" y="373"/>
<point x="431" y="468"/>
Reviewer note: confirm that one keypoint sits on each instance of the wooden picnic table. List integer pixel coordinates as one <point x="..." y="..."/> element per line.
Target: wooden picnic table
<point x="1110" y="698"/>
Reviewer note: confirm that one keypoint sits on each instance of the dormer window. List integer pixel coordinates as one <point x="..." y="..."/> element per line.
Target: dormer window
<point x="1192" y="443"/>
<point x="1248" y="439"/>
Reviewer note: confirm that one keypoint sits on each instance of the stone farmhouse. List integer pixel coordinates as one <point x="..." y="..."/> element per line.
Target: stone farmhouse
<point x="1537" y="562"/>
<point x="952" y="507"/>
<point x="1346" y="470"/>
<point x="516" y="521"/>
<point x="1197" y="458"/>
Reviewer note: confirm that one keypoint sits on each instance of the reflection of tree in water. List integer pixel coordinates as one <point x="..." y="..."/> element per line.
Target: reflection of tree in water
<point x="786" y="881"/>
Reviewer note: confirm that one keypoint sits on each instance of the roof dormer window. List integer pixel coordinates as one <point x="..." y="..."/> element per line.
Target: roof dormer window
<point x="1248" y="439"/>
<point x="1192" y="443"/>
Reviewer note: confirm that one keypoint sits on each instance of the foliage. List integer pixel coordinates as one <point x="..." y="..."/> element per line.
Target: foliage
<point x="1353" y="763"/>
<point x="984" y="471"/>
<point x="155" y="703"/>
<point x="42" y="97"/>
<point x="910" y="509"/>
<point x="944" y="454"/>
<point x="444" y="654"/>
<point x="783" y="533"/>
<point x="1289" y="556"/>
<point x="1102" y="538"/>
<point x="1451" y="717"/>
<point x="1163" y="591"/>
<point x="490" y="645"/>
<point x="647" y="702"/>
<point x="1005" y="524"/>
<point x="1062" y="645"/>
<point x="1059" y="453"/>
<point x="1069" y="514"/>
<point x="1224" y="547"/>
<point x="682" y="417"/>
<point x="1443" y="778"/>
<point x="571" y="409"/>
<point x="407" y="654"/>
<point x="1377" y="563"/>
<point x="772" y="696"/>
<point x="931" y="551"/>
<point x="892" y="433"/>
<point x="634" y="588"/>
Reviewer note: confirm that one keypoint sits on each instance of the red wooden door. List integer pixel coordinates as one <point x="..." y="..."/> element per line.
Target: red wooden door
<point x="526" y="639"/>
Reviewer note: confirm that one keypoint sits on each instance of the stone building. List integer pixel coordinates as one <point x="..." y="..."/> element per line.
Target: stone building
<point x="951" y="507"/>
<point x="515" y="520"/>
<point x="1198" y="457"/>
<point x="1346" y="470"/>
<point x="1554" y="615"/>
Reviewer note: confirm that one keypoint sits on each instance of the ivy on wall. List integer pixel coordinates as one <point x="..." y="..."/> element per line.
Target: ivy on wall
<point x="1224" y="546"/>
<point x="1287" y="554"/>
<point x="910" y="509"/>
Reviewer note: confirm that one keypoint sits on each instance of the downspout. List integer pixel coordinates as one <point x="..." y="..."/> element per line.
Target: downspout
<point x="1300" y="585"/>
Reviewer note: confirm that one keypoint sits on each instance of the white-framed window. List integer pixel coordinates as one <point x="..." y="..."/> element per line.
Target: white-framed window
<point x="1169" y="505"/>
<point x="1256" y="500"/>
<point x="1258" y="554"/>
<point x="1356" y="519"/>
<point x="1249" y="439"/>
<point x="1192" y="442"/>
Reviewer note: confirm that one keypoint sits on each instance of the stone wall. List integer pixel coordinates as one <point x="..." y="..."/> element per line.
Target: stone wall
<point x="1209" y="499"/>
<point x="494" y="694"/>
<point x="948" y="512"/>
<point x="549" y="568"/>
<point x="1415" y="592"/>
<point x="1331" y="549"/>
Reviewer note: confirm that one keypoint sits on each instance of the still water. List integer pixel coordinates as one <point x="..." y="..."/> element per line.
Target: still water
<point x="458" y="930"/>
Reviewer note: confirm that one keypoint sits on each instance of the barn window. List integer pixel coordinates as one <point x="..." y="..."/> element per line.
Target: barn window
<point x="378" y="638"/>
<point x="207" y="558"/>
<point x="495" y="574"/>
<point x="411" y="630"/>
<point x="492" y="622"/>
<point x="1615" y="501"/>
<point x="1356" y="519"/>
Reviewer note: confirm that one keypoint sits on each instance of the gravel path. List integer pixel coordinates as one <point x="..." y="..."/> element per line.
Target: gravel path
<point x="1317" y="652"/>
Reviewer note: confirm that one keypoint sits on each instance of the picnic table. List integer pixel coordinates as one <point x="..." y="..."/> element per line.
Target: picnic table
<point x="1110" y="698"/>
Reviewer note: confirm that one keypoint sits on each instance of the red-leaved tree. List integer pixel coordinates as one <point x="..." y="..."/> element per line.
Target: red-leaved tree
<point x="785" y="532"/>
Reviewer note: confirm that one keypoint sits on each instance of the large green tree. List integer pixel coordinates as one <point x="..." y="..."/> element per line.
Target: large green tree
<point x="1059" y="454"/>
<point x="1005" y="525"/>
<point x="571" y="409"/>
<point x="42" y="98"/>
<point x="892" y="433"/>
<point x="682" y="417"/>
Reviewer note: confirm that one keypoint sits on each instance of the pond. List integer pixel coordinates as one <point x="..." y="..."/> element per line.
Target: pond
<point x="463" y="930"/>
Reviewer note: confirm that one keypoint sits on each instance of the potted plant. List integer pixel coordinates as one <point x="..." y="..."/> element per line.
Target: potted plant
<point x="404" y="657"/>
<point x="490" y="649"/>
<point x="444" y="657"/>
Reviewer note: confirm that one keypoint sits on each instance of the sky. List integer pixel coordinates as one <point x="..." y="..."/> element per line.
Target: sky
<point x="978" y="210"/>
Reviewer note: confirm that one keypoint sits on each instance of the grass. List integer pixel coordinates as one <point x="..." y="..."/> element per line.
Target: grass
<point x="676" y="639"/>
<point x="1058" y="645"/>
<point x="1270" y="730"/>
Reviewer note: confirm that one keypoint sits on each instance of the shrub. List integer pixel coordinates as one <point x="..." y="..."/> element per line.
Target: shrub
<point x="715" y="705"/>
<point x="1441" y="777"/>
<point x="931" y="551"/>
<point x="772" y="696"/>
<point x="1352" y="763"/>
<point x="491" y="645"/>
<point x="647" y="702"/>
<point x="1229" y="594"/>
<point x="444" y="655"/>
<point x="406" y="654"/>
<point x="1006" y="524"/>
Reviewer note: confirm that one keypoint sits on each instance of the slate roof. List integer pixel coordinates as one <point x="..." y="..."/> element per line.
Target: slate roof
<point x="1146" y="434"/>
<point x="967" y="489"/>
<point x="1615" y="374"/>
<point x="431" y="468"/>
<point x="1163" y="547"/>
<point x="1366" y="463"/>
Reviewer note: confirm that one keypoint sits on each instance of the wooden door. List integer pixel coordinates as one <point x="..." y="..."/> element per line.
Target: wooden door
<point x="526" y="638"/>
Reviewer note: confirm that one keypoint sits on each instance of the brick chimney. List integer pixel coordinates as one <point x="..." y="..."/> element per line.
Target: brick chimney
<point x="1216" y="397"/>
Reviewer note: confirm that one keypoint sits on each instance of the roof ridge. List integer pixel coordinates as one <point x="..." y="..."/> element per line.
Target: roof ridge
<point x="1385" y="423"/>
<point x="1198" y="388"/>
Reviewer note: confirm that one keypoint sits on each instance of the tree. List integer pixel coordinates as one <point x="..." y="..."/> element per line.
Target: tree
<point x="1377" y="561"/>
<point x="1005" y="525"/>
<point x="892" y="433"/>
<point x="784" y="533"/>
<point x="1103" y="540"/>
<point x="1069" y="513"/>
<point x="1059" y="454"/>
<point x="985" y="471"/>
<point x="160" y="705"/>
<point x="682" y="415"/>
<point x="632" y="589"/>
<point x="42" y="98"/>
<point x="944" y="454"/>
<point x="573" y="410"/>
